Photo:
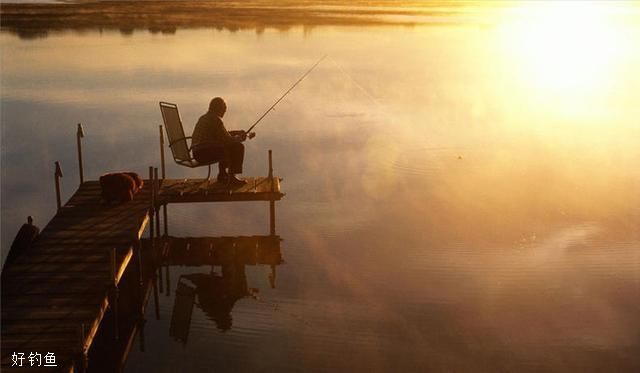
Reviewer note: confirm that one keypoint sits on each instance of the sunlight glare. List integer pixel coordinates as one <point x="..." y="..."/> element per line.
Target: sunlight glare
<point x="565" y="48"/>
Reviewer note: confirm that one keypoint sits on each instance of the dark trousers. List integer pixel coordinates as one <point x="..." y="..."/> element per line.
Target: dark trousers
<point x="229" y="156"/>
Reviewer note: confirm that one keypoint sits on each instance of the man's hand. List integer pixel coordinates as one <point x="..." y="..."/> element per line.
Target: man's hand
<point x="238" y="135"/>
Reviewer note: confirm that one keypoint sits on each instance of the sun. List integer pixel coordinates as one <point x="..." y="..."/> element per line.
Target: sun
<point x="565" y="48"/>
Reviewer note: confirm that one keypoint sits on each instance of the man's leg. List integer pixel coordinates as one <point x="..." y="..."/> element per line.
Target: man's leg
<point x="222" y="168"/>
<point x="236" y="157"/>
<point x="235" y="152"/>
<point x="210" y="155"/>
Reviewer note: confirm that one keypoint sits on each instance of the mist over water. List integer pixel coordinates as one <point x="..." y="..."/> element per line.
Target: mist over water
<point x="447" y="209"/>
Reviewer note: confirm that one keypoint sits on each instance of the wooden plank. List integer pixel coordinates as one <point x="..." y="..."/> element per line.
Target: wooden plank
<point x="53" y="338"/>
<point x="219" y="197"/>
<point x="97" y="235"/>
<point x="25" y="274"/>
<point x="106" y="241"/>
<point x="75" y="250"/>
<point x="91" y="257"/>
<point x="76" y="288"/>
<point x="17" y="269"/>
<point x="51" y="300"/>
<point x="50" y="314"/>
<point x="100" y="224"/>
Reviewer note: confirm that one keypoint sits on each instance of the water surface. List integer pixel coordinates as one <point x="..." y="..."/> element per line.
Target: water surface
<point x="460" y="197"/>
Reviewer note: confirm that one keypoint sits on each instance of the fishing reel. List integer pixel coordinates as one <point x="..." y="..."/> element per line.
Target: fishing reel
<point x="242" y="133"/>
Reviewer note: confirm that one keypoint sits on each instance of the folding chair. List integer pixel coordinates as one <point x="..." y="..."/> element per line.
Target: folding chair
<point x="180" y="149"/>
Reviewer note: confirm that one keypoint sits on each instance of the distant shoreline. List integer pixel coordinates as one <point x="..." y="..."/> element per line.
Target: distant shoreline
<point x="34" y="20"/>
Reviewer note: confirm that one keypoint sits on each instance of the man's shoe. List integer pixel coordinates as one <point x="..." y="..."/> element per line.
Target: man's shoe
<point x="233" y="179"/>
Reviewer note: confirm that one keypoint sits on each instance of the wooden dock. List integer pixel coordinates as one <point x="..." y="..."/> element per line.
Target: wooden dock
<point x="54" y="298"/>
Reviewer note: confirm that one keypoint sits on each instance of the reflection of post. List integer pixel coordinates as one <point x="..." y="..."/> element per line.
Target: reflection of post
<point x="159" y="254"/>
<point x="57" y="176"/>
<point x="168" y="275"/>
<point x="155" y="296"/>
<point x="272" y="203"/>
<point x="272" y="277"/>
<point x="141" y="326"/>
<point x="79" y="136"/>
<point x="151" y="206"/>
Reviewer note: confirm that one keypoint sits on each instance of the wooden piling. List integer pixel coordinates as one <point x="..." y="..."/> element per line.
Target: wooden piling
<point x="156" y="188"/>
<point x="79" y="136"/>
<point x="272" y="203"/>
<point x="57" y="176"/>
<point x="164" y="175"/>
<point x="162" y="153"/>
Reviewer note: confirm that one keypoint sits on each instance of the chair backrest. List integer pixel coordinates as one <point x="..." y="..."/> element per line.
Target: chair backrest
<point x="175" y="132"/>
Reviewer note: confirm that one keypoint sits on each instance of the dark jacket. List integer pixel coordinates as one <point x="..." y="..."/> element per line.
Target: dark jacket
<point x="210" y="131"/>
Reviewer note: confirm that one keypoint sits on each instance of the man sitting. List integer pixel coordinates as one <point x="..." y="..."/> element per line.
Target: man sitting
<point x="212" y="142"/>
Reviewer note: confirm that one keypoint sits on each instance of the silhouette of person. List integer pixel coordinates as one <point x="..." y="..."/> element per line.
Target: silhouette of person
<point x="212" y="142"/>
<point x="218" y="294"/>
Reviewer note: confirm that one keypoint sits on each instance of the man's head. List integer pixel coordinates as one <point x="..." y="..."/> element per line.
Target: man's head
<point x="218" y="106"/>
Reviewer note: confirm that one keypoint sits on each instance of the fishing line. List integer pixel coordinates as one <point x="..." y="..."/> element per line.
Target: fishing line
<point x="286" y="93"/>
<point x="358" y="85"/>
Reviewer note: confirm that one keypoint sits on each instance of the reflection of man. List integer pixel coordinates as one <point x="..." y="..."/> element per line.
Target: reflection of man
<point x="212" y="142"/>
<point x="218" y="294"/>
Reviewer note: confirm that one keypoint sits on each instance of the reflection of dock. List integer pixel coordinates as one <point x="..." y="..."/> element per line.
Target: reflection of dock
<point x="198" y="251"/>
<point x="214" y="292"/>
<point x="54" y="297"/>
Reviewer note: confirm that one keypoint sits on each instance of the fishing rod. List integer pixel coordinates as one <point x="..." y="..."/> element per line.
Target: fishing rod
<point x="286" y="93"/>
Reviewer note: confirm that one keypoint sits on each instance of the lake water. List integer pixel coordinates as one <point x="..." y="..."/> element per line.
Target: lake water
<point x="461" y="196"/>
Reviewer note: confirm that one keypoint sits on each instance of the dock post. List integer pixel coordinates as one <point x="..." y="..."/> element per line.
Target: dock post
<point x="154" y="244"/>
<point x="164" y="207"/>
<point x="114" y="293"/>
<point x="57" y="176"/>
<point x="79" y="136"/>
<point x="272" y="203"/>
<point x="152" y="187"/>
<point x="162" y="153"/>
<point x="156" y="192"/>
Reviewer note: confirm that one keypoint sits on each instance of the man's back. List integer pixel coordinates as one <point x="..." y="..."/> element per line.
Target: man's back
<point x="209" y="131"/>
